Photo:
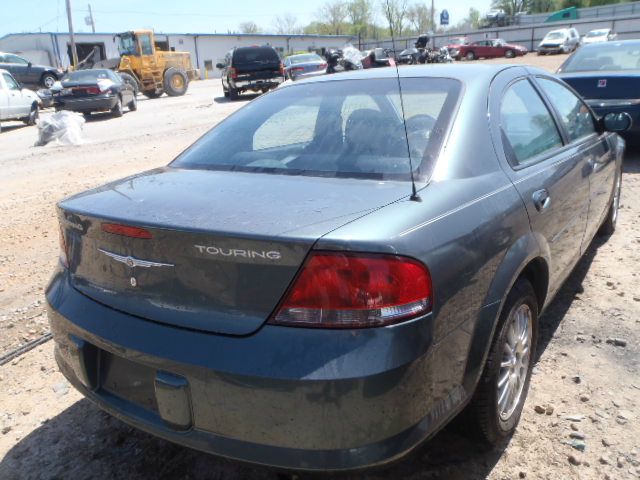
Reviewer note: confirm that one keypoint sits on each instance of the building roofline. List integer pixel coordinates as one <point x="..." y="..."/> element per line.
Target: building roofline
<point x="265" y="35"/>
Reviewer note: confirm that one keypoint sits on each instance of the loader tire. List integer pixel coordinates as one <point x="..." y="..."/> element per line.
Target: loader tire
<point x="175" y="82"/>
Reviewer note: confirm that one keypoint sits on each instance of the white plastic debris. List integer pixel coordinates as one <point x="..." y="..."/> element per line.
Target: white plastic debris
<point x="64" y="128"/>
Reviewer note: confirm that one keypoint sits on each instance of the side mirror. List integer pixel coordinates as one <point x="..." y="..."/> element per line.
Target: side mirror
<point x="219" y="66"/>
<point x="616" y="122"/>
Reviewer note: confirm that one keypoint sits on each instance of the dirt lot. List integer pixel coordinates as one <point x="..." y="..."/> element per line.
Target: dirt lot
<point x="590" y="387"/>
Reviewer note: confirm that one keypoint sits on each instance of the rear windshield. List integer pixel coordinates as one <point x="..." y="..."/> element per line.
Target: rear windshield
<point x="88" y="76"/>
<point x="257" y="54"/>
<point x="350" y="128"/>
<point x="597" y="33"/>
<point x="312" y="57"/>
<point x="605" y="56"/>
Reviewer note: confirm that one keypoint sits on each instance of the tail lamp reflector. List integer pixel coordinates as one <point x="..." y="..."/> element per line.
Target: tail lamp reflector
<point x="345" y="290"/>
<point x="126" y="230"/>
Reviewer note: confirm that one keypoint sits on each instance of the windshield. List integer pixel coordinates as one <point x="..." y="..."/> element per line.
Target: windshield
<point x="597" y="33"/>
<point x="87" y="76"/>
<point x="127" y="44"/>
<point x="605" y="56"/>
<point x="312" y="57"/>
<point x="349" y="128"/>
<point x="554" y="36"/>
<point x="255" y="54"/>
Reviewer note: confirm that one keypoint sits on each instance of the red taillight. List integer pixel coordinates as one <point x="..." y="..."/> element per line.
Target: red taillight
<point x="347" y="290"/>
<point x="64" y="253"/>
<point x="282" y="69"/>
<point x="233" y="73"/>
<point x="297" y="69"/>
<point x="87" y="90"/>
<point x="322" y="66"/>
<point x="126" y="230"/>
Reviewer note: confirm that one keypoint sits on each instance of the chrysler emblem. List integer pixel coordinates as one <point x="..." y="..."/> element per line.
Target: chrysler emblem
<point x="132" y="262"/>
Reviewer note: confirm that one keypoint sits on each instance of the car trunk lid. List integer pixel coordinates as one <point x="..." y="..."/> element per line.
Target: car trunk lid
<point x="605" y="85"/>
<point x="212" y="251"/>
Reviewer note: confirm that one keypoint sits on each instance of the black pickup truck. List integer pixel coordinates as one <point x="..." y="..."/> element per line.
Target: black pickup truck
<point x="250" y="68"/>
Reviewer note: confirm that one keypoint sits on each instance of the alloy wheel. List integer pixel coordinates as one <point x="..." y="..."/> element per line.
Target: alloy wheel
<point x="514" y="365"/>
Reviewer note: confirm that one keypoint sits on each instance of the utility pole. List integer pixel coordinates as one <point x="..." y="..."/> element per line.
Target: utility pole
<point x="74" y="53"/>
<point x="93" y="24"/>
<point x="433" y="16"/>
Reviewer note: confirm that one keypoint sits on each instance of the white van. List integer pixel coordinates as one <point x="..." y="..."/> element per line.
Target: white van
<point x="564" y="40"/>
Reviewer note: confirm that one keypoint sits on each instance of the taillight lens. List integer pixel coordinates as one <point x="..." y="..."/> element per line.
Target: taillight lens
<point x="64" y="253"/>
<point x="126" y="230"/>
<point x="346" y="290"/>
<point x="233" y="73"/>
<point x="282" y="69"/>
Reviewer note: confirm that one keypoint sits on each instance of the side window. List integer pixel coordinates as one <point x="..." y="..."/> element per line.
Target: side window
<point x="11" y="83"/>
<point x="528" y="129"/>
<point x="145" y="45"/>
<point x="574" y="114"/>
<point x="16" y="59"/>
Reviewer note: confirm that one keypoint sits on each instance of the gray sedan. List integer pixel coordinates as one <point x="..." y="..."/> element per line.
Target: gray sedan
<point x="304" y="65"/>
<point x="327" y="278"/>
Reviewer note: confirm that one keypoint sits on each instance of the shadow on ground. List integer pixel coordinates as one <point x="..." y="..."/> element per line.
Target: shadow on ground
<point x="84" y="442"/>
<point x="245" y="97"/>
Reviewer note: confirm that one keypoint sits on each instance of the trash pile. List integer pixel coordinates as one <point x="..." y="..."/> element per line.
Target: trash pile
<point x="64" y="128"/>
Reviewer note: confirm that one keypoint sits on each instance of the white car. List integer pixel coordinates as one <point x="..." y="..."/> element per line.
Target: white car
<point x="600" y="35"/>
<point x="17" y="103"/>
<point x="564" y="40"/>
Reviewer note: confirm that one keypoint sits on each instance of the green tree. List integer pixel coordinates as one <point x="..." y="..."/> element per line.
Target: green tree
<point x="511" y="7"/>
<point x="572" y="3"/>
<point x="542" y="6"/>
<point x="333" y="14"/>
<point x="395" y="12"/>
<point x="598" y="3"/>
<point x="360" y="14"/>
<point x="419" y="17"/>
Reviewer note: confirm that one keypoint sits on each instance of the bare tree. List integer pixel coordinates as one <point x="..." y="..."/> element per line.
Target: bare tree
<point x="285" y="24"/>
<point x="360" y="15"/>
<point x="511" y="7"/>
<point x="333" y="14"/>
<point x="249" y="27"/>
<point x="395" y="11"/>
<point x="419" y="17"/>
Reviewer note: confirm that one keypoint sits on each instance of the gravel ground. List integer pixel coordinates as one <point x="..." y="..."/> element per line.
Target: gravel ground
<point x="587" y="389"/>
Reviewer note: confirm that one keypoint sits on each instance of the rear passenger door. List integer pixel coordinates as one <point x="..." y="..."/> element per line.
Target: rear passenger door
<point x="582" y="135"/>
<point x="548" y="174"/>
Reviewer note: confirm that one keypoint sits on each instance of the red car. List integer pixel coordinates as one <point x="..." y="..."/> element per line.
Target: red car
<point x="488" y="49"/>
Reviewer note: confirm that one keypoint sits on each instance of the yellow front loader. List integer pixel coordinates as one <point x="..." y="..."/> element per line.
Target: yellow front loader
<point x="150" y="70"/>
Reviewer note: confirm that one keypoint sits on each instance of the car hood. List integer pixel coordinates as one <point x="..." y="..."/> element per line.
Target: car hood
<point x="248" y="204"/>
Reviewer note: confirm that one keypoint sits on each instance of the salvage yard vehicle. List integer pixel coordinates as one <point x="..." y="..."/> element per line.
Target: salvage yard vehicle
<point x="148" y="69"/>
<point x="304" y="65"/>
<point x="16" y="103"/>
<point x="607" y="76"/>
<point x="98" y="90"/>
<point x="334" y="280"/>
<point x="27" y="73"/>
<point x="256" y="69"/>
<point x="564" y="40"/>
<point x="597" y="36"/>
<point x="493" y="48"/>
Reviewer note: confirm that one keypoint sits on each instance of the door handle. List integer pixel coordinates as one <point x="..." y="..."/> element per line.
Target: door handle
<point x="541" y="199"/>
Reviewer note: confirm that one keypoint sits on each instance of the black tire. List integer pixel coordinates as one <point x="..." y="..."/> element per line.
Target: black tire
<point x="233" y="93"/>
<point x="509" y="54"/>
<point x="117" y="110"/>
<point x="152" y="94"/>
<point x="133" y="104"/>
<point x="130" y="80"/>
<point x="484" y="405"/>
<point x="34" y="114"/>
<point x="608" y="227"/>
<point x="86" y="115"/>
<point x="175" y="82"/>
<point x="470" y="56"/>
<point x="48" y="79"/>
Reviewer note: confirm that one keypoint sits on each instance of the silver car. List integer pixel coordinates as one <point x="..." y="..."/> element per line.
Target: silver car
<point x="304" y="65"/>
<point x="564" y="40"/>
<point x="335" y="271"/>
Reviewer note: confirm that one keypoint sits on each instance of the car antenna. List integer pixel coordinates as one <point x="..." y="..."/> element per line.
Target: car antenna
<point x="414" y="193"/>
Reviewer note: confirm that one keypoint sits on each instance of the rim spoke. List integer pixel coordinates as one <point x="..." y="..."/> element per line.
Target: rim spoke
<point x="503" y="379"/>
<point x="505" y="364"/>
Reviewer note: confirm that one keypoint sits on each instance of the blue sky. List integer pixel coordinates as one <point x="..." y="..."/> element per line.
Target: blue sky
<point x="175" y="16"/>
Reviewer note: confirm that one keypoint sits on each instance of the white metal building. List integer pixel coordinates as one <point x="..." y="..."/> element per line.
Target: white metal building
<point x="206" y="49"/>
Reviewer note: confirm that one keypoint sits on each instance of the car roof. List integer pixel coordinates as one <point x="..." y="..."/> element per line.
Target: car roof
<point x="606" y="45"/>
<point x="465" y="73"/>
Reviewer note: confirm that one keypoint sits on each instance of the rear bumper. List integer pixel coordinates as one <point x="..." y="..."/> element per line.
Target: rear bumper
<point x="257" y="84"/>
<point x="100" y="103"/>
<point x="292" y="398"/>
